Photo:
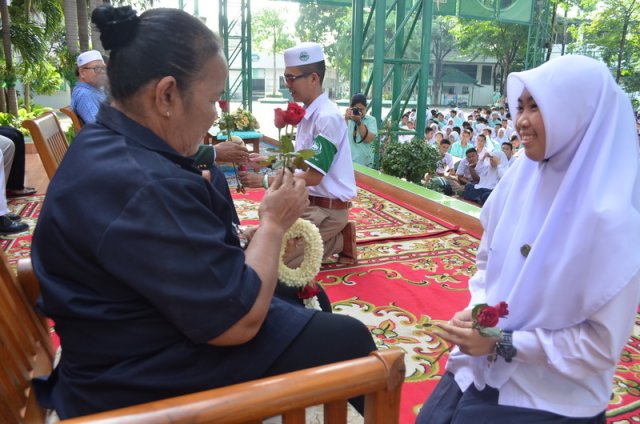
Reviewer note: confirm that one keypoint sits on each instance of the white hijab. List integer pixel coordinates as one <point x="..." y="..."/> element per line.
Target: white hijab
<point x="503" y="138"/>
<point x="579" y="210"/>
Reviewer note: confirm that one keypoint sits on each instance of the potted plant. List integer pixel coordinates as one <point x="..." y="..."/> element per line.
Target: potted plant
<point x="410" y="161"/>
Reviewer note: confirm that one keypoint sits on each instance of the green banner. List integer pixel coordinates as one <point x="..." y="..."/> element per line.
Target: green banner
<point x="444" y="7"/>
<point x="516" y="11"/>
<point x="478" y="9"/>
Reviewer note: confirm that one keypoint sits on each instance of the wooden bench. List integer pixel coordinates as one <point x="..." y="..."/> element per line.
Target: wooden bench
<point x="25" y="353"/>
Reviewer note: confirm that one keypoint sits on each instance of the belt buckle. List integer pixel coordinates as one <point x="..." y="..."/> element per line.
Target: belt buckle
<point x="330" y="203"/>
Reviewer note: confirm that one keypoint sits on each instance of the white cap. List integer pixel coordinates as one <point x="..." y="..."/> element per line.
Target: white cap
<point x="303" y="54"/>
<point x="87" y="57"/>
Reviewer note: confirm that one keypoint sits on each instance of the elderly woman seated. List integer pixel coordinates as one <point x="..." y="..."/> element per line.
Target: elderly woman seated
<point x="139" y="261"/>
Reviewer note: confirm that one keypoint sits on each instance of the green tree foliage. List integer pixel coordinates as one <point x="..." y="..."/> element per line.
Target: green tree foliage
<point x="36" y="27"/>
<point x="33" y="26"/>
<point x="330" y="26"/>
<point x="269" y="33"/>
<point x="442" y="43"/>
<point x="505" y="42"/>
<point x="613" y="34"/>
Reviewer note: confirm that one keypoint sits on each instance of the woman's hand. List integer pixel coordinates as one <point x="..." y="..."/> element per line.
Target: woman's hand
<point x="348" y="113"/>
<point x="250" y="179"/>
<point x="249" y="232"/>
<point x="462" y="319"/>
<point x="256" y="161"/>
<point x="468" y="339"/>
<point x="284" y="201"/>
<point x="231" y="152"/>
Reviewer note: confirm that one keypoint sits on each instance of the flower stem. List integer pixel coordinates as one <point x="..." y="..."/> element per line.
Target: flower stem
<point x="447" y="349"/>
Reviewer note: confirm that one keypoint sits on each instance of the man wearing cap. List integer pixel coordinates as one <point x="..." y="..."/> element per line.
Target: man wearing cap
<point x="330" y="178"/>
<point x="88" y="93"/>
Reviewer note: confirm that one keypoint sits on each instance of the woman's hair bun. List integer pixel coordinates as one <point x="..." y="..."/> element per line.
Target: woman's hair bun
<point x="117" y="25"/>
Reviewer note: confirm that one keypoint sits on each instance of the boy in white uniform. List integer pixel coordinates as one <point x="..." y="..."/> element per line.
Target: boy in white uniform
<point x="330" y="177"/>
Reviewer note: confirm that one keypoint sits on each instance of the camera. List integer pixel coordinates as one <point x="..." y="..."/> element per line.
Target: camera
<point x="355" y="110"/>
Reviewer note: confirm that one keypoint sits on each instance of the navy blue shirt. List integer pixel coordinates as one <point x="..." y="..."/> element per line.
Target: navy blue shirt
<point x="139" y="267"/>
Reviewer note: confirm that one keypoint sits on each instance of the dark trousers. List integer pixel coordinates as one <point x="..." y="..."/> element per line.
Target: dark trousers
<point x="15" y="179"/>
<point x="325" y="339"/>
<point x="478" y="195"/>
<point x="449" y="405"/>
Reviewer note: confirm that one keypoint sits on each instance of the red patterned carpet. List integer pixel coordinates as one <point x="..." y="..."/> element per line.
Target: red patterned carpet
<point x="18" y="246"/>
<point x="413" y="271"/>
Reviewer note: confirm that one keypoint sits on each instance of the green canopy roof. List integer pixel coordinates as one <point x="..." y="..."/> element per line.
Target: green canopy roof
<point x="456" y="76"/>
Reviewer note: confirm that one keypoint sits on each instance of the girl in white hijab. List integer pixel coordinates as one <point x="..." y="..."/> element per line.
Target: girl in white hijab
<point x="560" y="246"/>
<point x="501" y="136"/>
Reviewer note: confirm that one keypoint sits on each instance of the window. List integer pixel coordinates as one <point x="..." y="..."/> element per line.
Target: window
<point x="470" y="70"/>
<point x="486" y="75"/>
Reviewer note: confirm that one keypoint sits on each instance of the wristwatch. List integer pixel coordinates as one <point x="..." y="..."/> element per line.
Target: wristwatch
<point x="358" y="123"/>
<point x="504" y="346"/>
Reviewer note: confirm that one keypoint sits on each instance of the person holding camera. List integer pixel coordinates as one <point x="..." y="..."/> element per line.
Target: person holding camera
<point x="362" y="130"/>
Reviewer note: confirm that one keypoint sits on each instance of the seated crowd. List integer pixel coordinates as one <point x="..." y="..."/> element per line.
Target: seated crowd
<point x="475" y="152"/>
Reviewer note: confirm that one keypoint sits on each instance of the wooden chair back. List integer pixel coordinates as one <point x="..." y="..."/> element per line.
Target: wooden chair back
<point x="75" y="119"/>
<point x="378" y="377"/>
<point x="25" y="351"/>
<point x="49" y="139"/>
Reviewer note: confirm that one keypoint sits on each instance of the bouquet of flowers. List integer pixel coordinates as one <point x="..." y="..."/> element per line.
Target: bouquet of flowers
<point x="239" y="120"/>
<point x="227" y="123"/>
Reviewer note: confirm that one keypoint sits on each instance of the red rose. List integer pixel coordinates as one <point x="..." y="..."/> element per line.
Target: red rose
<point x="279" y="119"/>
<point x="224" y="105"/>
<point x="503" y="309"/>
<point x="488" y="317"/>
<point x="294" y="113"/>
<point x="308" y="291"/>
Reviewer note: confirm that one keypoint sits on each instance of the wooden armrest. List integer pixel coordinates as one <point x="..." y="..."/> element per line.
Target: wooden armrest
<point x="378" y="376"/>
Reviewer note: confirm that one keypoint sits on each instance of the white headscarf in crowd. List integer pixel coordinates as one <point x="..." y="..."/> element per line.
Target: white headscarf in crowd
<point x="578" y="210"/>
<point x="502" y="139"/>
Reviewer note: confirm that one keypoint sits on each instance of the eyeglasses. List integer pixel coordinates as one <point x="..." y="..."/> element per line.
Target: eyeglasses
<point x="97" y="69"/>
<point x="292" y="78"/>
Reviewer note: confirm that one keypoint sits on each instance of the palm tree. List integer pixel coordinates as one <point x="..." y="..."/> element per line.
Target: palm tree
<point x="96" y="44"/>
<point x="83" y="25"/>
<point x="71" y="26"/>
<point x="11" y="98"/>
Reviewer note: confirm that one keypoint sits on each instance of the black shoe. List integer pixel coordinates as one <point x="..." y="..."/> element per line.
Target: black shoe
<point x="13" y="216"/>
<point x="7" y="226"/>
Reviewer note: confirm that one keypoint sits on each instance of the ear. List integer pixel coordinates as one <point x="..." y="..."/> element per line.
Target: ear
<point x="166" y="95"/>
<point x="316" y="78"/>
